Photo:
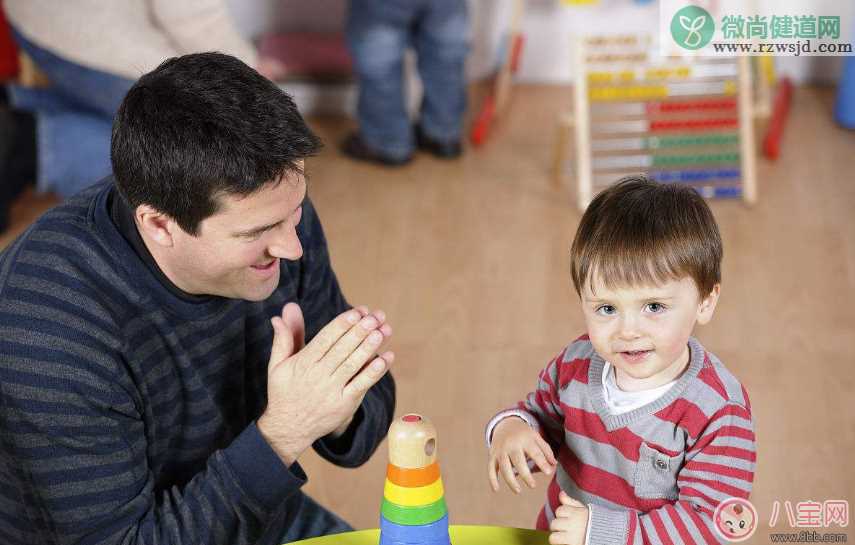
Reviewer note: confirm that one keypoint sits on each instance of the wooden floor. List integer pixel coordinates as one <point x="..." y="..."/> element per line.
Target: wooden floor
<point x="469" y="259"/>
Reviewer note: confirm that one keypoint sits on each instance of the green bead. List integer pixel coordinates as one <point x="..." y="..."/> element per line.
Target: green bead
<point x="676" y="160"/>
<point x="705" y="140"/>
<point x="414" y="516"/>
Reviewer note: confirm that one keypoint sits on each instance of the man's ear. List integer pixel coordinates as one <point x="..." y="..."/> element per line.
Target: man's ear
<point x="707" y="306"/>
<point x="155" y="225"/>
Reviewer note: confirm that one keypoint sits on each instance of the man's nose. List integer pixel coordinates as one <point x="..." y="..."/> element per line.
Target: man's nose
<point x="286" y="244"/>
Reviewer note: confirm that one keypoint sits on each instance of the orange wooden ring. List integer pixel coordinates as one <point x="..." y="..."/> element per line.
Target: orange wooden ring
<point x="408" y="477"/>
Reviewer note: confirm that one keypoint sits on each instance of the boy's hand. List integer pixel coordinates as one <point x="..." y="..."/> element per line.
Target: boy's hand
<point x="514" y="442"/>
<point x="570" y="523"/>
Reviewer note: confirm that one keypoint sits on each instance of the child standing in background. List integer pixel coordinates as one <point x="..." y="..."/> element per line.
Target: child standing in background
<point x="378" y="34"/>
<point x="643" y="430"/>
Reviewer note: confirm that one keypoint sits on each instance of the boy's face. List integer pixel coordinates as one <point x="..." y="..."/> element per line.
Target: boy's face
<point x="644" y="331"/>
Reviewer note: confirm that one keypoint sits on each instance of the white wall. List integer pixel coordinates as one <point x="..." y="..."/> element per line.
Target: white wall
<point x="549" y="27"/>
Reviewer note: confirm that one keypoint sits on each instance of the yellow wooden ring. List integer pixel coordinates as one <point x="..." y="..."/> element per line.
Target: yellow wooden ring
<point x="413" y="497"/>
<point x="403" y="476"/>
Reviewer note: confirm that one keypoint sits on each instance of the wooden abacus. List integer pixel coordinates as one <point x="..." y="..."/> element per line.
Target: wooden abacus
<point x="677" y="119"/>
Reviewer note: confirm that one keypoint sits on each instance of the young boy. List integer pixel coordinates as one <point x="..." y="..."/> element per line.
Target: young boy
<point x="643" y="431"/>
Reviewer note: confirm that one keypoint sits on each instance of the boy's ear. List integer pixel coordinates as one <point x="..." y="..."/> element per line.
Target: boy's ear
<point x="707" y="306"/>
<point x="158" y="226"/>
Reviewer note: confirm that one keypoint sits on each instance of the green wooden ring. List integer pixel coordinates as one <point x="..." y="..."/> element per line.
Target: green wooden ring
<point x="414" y="516"/>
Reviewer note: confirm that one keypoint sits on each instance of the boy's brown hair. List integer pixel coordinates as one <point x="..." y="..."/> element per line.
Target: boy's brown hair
<point x="639" y="232"/>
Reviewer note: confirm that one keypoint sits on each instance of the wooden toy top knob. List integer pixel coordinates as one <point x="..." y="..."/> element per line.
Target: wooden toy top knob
<point x="412" y="442"/>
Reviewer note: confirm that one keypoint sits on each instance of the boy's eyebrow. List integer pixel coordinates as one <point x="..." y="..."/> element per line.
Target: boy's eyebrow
<point x="646" y="297"/>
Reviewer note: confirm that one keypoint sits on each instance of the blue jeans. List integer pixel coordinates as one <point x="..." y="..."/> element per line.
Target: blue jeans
<point x="378" y="33"/>
<point x="74" y="118"/>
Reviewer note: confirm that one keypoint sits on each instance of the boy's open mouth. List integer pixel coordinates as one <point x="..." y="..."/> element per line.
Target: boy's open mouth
<point x="634" y="356"/>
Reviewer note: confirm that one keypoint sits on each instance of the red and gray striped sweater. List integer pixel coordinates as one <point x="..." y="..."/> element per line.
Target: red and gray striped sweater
<point x="655" y="474"/>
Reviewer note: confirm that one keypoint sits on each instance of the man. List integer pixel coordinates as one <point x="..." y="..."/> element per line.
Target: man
<point x="144" y="395"/>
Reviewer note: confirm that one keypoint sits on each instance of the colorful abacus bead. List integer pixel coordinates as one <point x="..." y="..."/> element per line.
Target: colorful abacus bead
<point x="413" y="511"/>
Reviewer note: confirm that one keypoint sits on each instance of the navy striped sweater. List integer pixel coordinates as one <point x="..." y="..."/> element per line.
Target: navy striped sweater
<point x="127" y="414"/>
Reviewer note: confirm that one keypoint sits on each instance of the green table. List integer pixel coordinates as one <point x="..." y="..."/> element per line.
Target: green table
<point x="460" y="535"/>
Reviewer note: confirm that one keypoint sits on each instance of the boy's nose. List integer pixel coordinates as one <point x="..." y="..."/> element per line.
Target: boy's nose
<point x="628" y="329"/>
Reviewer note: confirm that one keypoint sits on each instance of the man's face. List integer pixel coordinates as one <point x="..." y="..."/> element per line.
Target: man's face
<point x="237" y="250"/>
<point x="644" y="331"/>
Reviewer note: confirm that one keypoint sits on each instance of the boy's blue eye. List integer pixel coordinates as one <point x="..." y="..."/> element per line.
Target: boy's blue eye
<point x="655" y="307"/>
<point x="605" y="310"/>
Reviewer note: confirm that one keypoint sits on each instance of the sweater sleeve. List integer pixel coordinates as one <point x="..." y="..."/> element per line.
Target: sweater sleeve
<point x="719" y="465"/>
<point x="321" y="299"/>
<point x="74" y="453"/>
<point x="202" y="25"/>
<point x="544" y="403"/>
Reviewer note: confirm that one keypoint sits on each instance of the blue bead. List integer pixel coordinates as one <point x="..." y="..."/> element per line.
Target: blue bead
<point x="435" y="533"/>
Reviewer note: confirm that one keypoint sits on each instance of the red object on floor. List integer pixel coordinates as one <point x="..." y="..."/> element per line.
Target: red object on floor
<point x="481" y="125"/>
<point x="311" y="55"/>
<point x="780" y="109"/>
<point x="8" y="51"/>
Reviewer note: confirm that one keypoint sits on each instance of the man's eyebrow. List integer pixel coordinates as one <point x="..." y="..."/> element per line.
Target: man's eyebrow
<point x="258" y="230"/>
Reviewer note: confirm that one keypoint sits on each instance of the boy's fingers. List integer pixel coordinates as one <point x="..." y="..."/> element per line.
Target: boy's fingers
<point x="559" y="524"/>
<point x="575" y="503"/>
<point x="569" y="501"/>
<point x="521" y="466"/>
<point x="547" y="450"/>
<point x="508" y="474"/>
<point x="492" y="475"/>
<point x="555" y="538"/>
<point x="539" y="458"/>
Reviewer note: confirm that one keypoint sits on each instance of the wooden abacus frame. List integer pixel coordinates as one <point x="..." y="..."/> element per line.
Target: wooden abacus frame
<point x="732" y="93"/>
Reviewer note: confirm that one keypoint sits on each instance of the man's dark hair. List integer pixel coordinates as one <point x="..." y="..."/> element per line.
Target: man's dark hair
<point x="201" y="126"/>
